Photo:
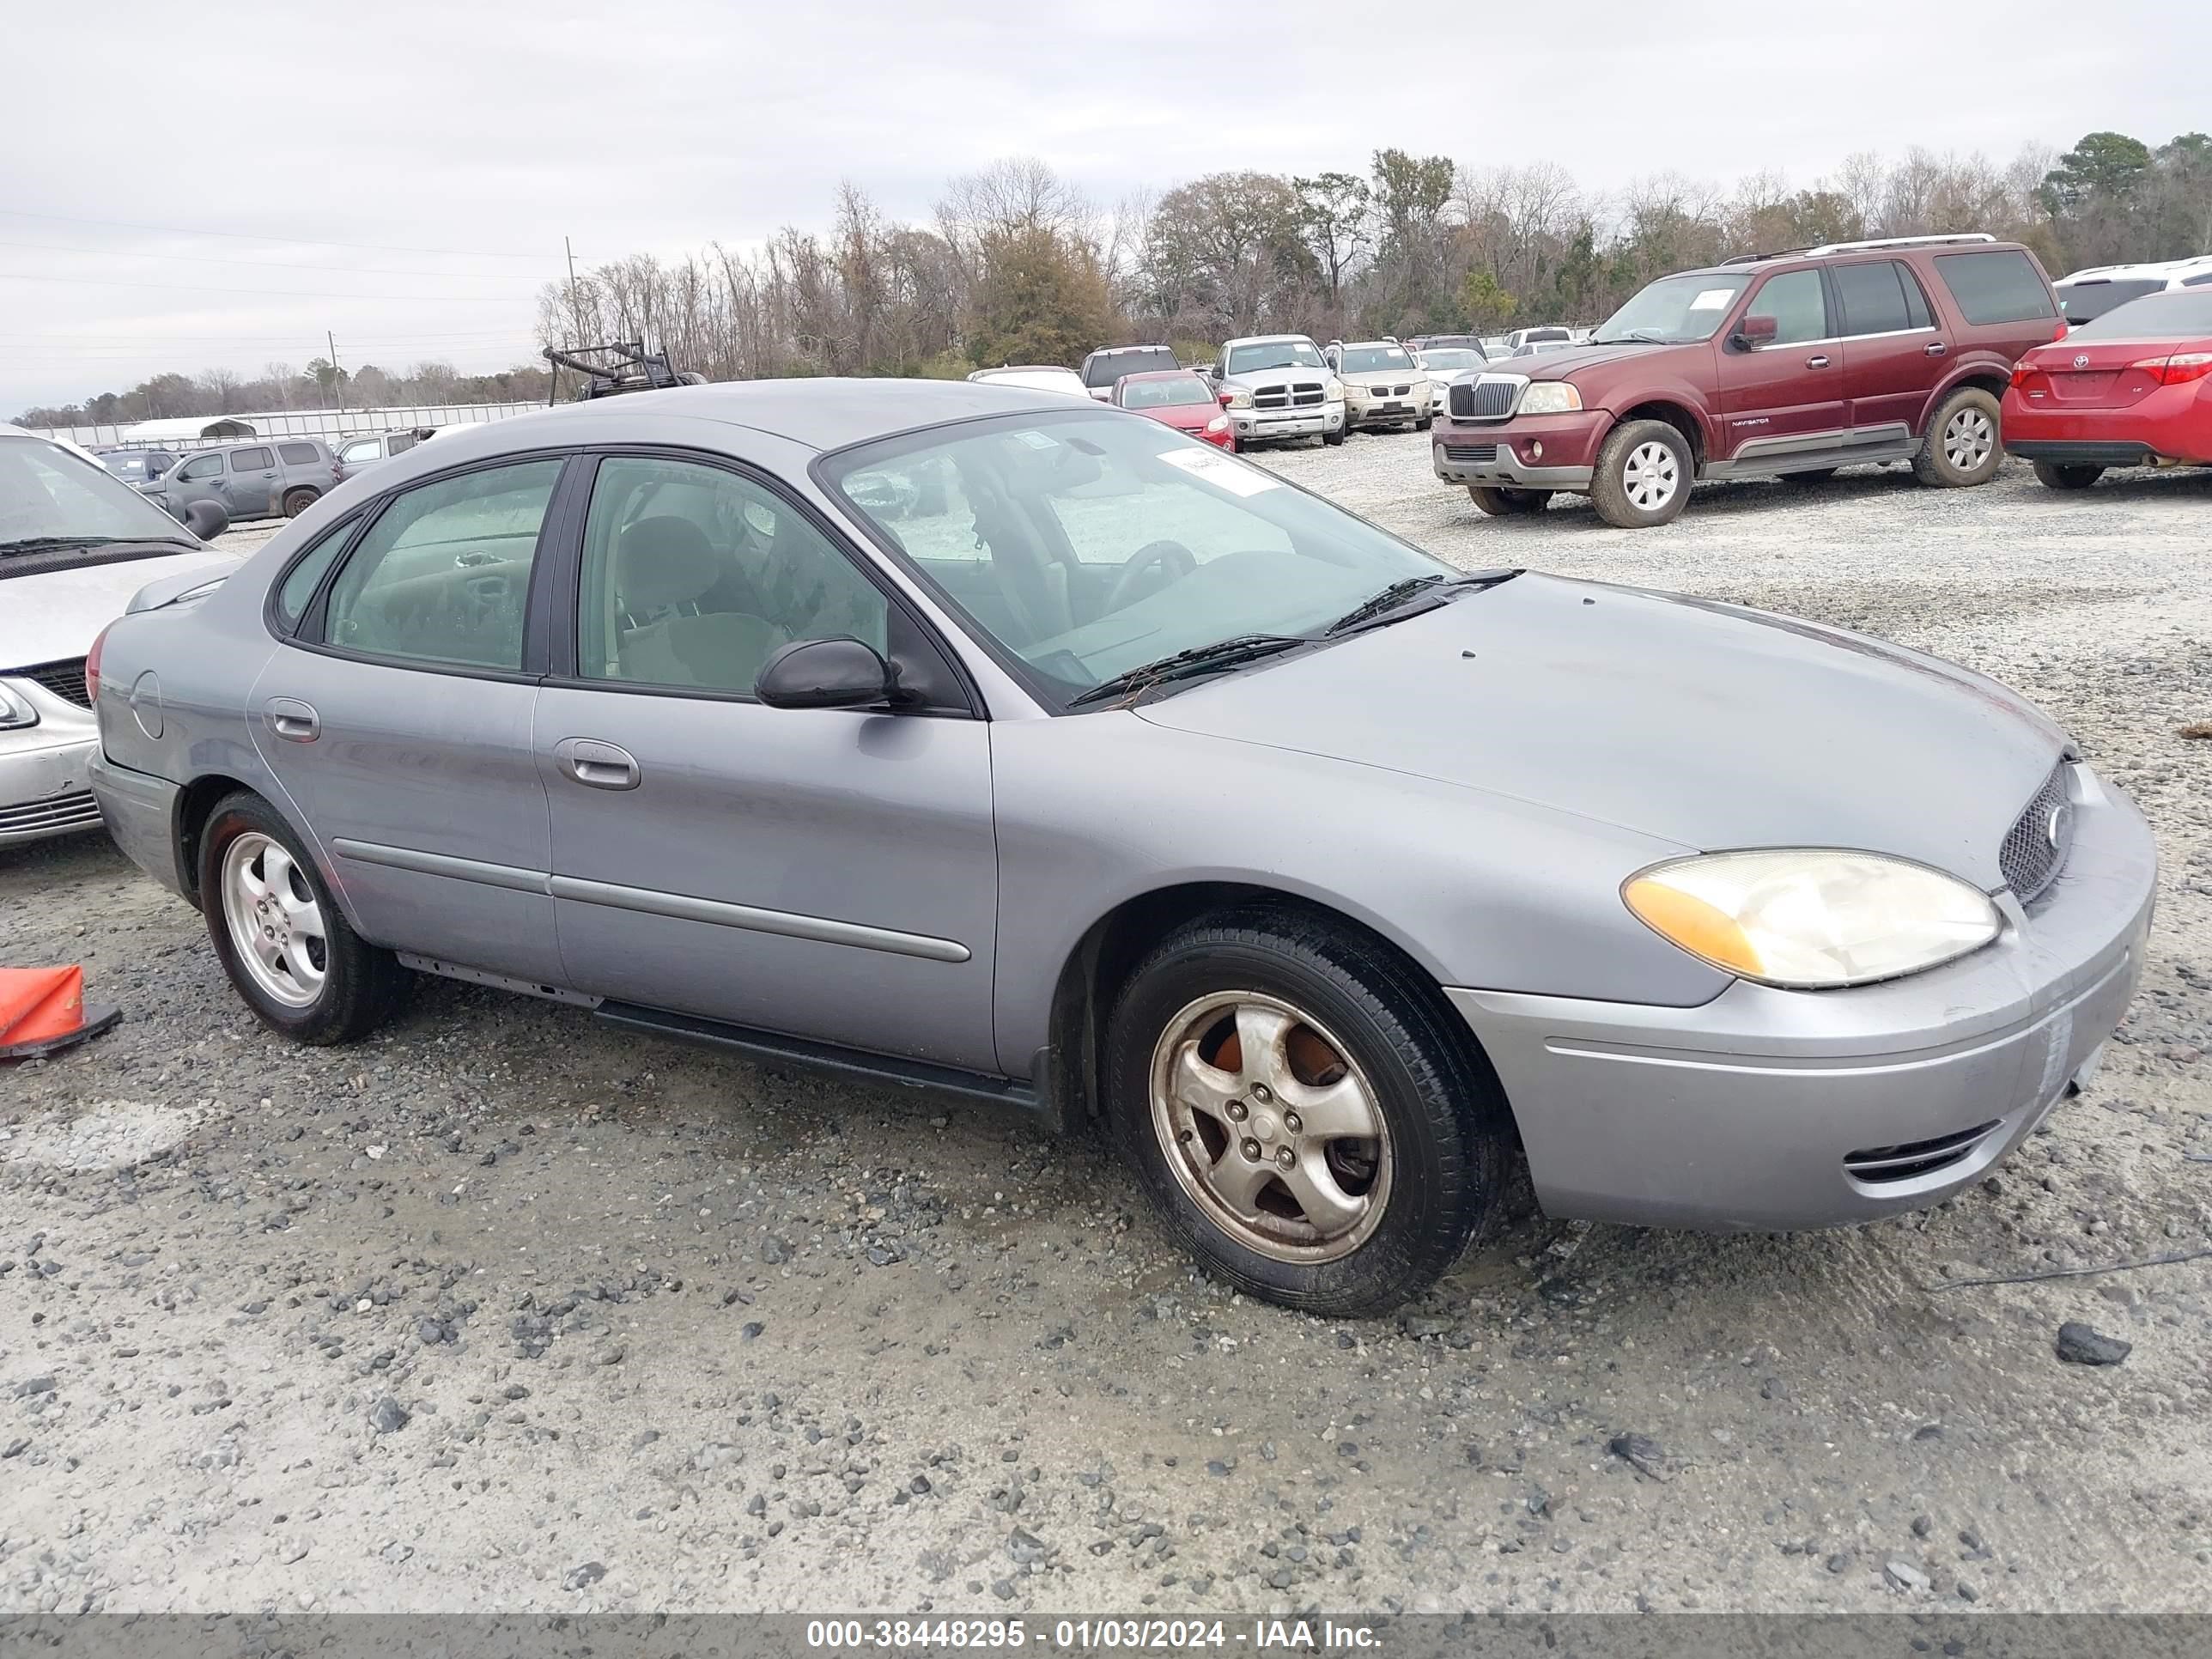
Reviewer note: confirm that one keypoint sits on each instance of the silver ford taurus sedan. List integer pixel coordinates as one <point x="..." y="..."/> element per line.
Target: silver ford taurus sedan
<point x="976" y="738"/>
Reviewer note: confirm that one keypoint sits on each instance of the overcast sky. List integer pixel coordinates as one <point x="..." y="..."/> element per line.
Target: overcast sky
<point x="189" y="186"/>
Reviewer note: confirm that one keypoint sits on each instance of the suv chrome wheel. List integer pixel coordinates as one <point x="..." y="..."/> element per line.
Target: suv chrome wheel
<point x="274" y="919"/>
<point x="1968" y="437"/>
<point x="1652" y="476"/>
<point x="1269" y="1128"/>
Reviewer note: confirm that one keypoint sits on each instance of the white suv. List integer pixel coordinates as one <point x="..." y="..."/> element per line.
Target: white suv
<point x="2089" y="294"/>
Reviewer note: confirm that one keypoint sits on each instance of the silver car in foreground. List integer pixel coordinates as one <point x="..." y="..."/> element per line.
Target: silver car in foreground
<point x="983" y="740"/>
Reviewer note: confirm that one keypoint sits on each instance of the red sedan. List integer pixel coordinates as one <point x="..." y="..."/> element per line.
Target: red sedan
<point x="2133" y="388"/>
<point x="1180" y="399"/>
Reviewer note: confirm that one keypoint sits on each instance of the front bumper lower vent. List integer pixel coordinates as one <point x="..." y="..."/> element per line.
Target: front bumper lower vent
<point x="1882" y="1166"/>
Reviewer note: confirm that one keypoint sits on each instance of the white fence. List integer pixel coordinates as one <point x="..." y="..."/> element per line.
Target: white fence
<point x="328" y="424"/>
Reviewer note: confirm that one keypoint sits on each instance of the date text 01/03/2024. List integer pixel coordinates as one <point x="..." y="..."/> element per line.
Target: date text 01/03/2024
<point x="1091" y="1635"/>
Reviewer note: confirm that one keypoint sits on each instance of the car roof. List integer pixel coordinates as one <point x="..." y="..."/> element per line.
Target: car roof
<point x="1108" y="351"/>
<point x="2156" y="267"/>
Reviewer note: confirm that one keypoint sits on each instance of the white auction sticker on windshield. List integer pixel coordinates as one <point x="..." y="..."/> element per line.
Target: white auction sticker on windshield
<point x="1237" y="478"/>
<point x="1713" y="298"/>
<point x="1035" y="440"/>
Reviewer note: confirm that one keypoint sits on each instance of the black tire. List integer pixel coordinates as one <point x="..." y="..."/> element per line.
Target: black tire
<point x="2054" y="475"/>
<point x="298" y="501"/>
<point x="1937" y="465"/>
<point x="1445" y="1119"/>
<point x="362" y="985"/>
<point x="1816" y="475"/>
<point x="1506" y="502"/>
<point x="1330" y="440"/>
<point x="1424" y="423"/>
<point x="1616" y="495"/>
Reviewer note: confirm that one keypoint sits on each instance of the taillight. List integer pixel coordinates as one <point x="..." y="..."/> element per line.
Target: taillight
<point x="2060" y="331"/>
<point x="2178" y="369"/>
<point x="91" y="668"/>
<point x="2020" y="373"/>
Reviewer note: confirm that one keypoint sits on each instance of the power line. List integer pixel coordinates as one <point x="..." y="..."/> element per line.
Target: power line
<point x="286" y="293"/>
<point x="275" y="264"/>
<point x="255" y="236"/>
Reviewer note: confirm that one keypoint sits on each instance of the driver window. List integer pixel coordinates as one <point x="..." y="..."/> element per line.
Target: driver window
<point x="207" y="466"/>
<point x="694" y="576"/>
<point x="1796" y="303"/>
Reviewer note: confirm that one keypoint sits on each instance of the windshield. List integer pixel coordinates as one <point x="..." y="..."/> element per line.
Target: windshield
<point x="1452" y="358"/>
<point x="1165" y="394"/>
<point x="1675" y="310"/>
<point x="2176" y="315"/>
<point x="46" y="492"/>
<point x="1085" y="546"/>
<point x="2084" y="302"/>
<point x="1360" y="360"/>
<point x="1273" y="354"/>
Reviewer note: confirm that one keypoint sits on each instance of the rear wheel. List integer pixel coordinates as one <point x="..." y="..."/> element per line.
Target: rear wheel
<point x="1643" y="475"/>
<point x="1961" y="448"/>
<point x="1501" y="502"/>
<point x="1301" y="1114"/>
<point x="2052" y="475"/>
<point x="297" y="501"/>
<point x="280" y="937"/>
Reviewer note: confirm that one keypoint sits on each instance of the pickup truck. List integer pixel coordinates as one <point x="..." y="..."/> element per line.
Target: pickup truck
<point x="1277" y="386"/>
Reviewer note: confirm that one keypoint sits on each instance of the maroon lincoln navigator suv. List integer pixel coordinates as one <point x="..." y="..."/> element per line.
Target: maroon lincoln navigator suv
<point x="1784" y="365"/>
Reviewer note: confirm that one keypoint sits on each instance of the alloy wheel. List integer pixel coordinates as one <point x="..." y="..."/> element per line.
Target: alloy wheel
<point x="1651" y="475"/>
<point x="1270" y="1127"/>
<point x="275" y="922"/>
<point x="1968" y="438"/>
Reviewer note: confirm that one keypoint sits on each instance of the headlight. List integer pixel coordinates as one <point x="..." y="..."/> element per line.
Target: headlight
<point x="14" y="713"/>
<point x="1332" y="389"/>
<point x="1812" y="918"/>
<point x="1219" y="424"/>
<point x="1240" y="397"/>
<point x="1549" y="398"/>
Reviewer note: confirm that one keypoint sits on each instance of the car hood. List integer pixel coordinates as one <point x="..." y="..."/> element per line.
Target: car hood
<point x="1560" y="362"/>
<point x="1702" y="724"/>
<point x="57" y="614"/>
<point x="1254" y="377"/>
<point x="1365" y="378"/>
<point x="1189" y="417"/>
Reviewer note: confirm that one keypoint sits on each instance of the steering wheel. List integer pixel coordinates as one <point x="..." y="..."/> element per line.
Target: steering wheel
<point x="1177" y="558"/>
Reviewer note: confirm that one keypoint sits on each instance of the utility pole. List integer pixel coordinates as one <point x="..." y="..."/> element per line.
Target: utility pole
<point x="575" y="316"/>
<point x="337" y="379"/>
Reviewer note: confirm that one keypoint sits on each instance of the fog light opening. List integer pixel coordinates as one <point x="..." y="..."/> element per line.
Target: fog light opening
<point x="1536" y="450"/>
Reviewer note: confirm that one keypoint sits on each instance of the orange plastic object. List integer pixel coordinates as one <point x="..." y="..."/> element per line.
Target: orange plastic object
<point x="42" y="1011"/>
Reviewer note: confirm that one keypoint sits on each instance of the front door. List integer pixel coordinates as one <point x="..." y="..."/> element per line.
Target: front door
<point x="1784" y="394"/>
<point x="399" y="722"/>
<point x="829" y="874"/>
<point x="252" y="486"/>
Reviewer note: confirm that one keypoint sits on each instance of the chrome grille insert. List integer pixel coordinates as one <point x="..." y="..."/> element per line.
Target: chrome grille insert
<point x="74" y="811"/>
<point x="65" y="678"/>
<point x="1487" y="396"/>
<point x="2036" y="846"/>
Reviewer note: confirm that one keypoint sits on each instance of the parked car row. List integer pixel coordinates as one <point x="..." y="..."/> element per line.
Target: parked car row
<point x="265" y="477"/>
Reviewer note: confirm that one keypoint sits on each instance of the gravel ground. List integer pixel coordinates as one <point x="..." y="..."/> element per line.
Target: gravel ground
<point x="507" y="1311"/>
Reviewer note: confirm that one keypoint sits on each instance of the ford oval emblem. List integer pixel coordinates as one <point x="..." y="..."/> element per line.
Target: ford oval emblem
<point x="2081" y="360"/>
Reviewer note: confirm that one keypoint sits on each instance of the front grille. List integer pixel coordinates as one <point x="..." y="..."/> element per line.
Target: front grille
<point x="1299" y="394"/>
<point x="1401" y="390"/>
<point x="2036" y="846"/>
<point x="65" y="679"/>
<point x="1305" y="395"/>
<point x="1877" y="1166"/>
<point x="1486" y="398"/>
<point x="75" y="811"/>
<point x="1484" y="453"/>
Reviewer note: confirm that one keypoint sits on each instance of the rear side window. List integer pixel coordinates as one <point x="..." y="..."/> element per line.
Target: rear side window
<point x="2001" y="286"/>
<point x="297" y="590"/>
<point x="252" y="461"/>
<point x="401" y="442"/>
<point x="1872" y="298"/>
<point x="299" y="454"/>
<point x="442" y="574"/>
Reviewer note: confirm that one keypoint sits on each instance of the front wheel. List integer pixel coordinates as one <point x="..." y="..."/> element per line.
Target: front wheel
<point x="1961" y="447"/>
<point x="1333" y="438"/>
<point x="1297" y="1106"/>
<point x="2052" y="475"/>
<point x="281" y="937"/>
<point x="1643" y="475"/>
<point x="1506" y="502"/>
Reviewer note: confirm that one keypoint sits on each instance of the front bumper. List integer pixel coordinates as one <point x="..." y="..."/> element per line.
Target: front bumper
<point x="1530" y="452"/>
<point x="43" y="790"/>
<point x="1741" y="1114"/>
<point x="1259" y="426"/>
<point x="140" y="811"/>
<point x="1368" y="410"/>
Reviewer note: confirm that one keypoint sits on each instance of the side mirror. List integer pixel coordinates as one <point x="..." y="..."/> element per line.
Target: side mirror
<point x="1754" y="332"/>
<point x="1227" y="398"/>
<point x="839" y="673"/>
<point x="207" y="520"/>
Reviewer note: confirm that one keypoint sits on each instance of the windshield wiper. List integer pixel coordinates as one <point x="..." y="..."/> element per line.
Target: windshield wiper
<point x="52" y="544"/>
<point x="1395" y="596"/>
<point x="1198" y="660"/>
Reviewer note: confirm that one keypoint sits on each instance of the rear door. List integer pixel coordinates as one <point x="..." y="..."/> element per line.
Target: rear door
<point x="1787" y="394"/>
<point x="830" y="874"/>
<point x="251" y="487"/>
<point x="397" y="719"/>
<point x="306" y="463"/>
<point x="1893" y="353"/>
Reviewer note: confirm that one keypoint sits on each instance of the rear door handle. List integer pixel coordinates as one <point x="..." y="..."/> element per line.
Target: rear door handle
<point x="1936" y="350"/>
<point x="595" y="764"/>
<point x="1817" y="361"/>
<point x="292" y="720"/>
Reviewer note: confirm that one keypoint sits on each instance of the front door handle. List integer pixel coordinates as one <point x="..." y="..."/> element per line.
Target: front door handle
<point x="596" y="765"/>
<point x="1818" y="360"/>
<point x="292" y="720"/>
<point x="1937" y="349"/>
